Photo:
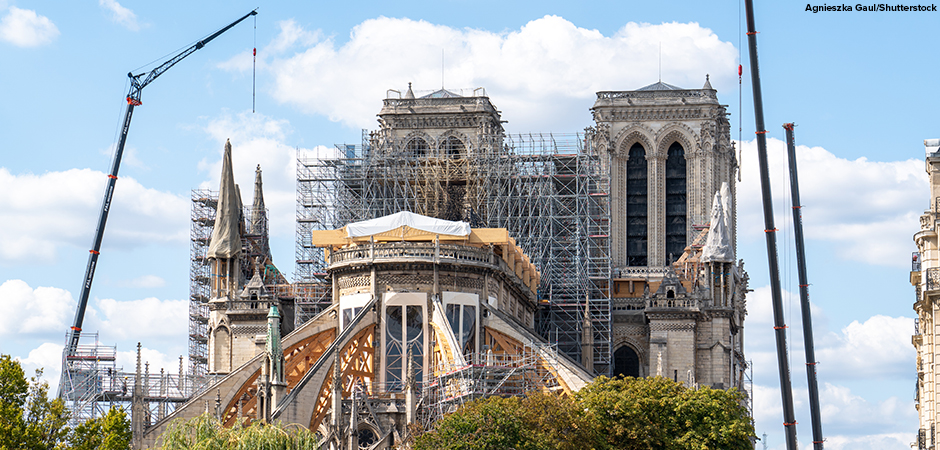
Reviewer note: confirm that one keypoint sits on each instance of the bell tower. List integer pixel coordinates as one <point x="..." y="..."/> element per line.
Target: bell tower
<point x="670" y="151"/>
<point x="677" y="291"/>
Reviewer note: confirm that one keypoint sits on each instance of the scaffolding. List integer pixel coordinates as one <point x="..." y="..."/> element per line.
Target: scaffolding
<point x="203" y="220"/>
<point x="256" y="251"/>
<point x="503" y="375"/>
<point x="551" y="191"/>
<point x="92" y="384"/>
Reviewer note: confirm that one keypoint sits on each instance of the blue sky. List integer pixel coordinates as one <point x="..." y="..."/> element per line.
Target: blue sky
<point x="858" y="84"/>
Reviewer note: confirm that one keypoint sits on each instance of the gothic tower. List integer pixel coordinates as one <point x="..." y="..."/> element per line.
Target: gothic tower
<point x="436" y="143"/>
<point x="676" y="312"/>
<point x="244" y="280"/>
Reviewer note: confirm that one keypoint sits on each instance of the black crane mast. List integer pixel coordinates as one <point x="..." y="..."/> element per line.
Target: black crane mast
<point x="770" y="232"/>
<point x="808" y="345"/>
<point x="138" y="83"/>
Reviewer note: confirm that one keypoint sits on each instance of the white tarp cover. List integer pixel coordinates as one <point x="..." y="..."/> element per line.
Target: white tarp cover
<point x="717" y="246"/>
<point x="726" y="206"/>
<point x="416" y="221"/>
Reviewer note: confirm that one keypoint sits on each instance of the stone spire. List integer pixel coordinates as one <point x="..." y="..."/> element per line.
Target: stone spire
<point x="226" y="241"/>
<point x="258" y="223"/>
<point x="708" y="84"/>
<point x="410" y="94"/>
<point x="137" y="407"/>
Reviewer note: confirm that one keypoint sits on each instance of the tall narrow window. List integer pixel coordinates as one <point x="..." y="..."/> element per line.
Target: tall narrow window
<point x="675" y="202"/>
<point x="636" y="207"/>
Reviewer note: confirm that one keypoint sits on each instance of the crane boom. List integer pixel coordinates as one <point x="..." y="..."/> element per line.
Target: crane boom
<point x="138" y="83"/>
<point x="808" y="346"/>
<point x="770" y="234"/>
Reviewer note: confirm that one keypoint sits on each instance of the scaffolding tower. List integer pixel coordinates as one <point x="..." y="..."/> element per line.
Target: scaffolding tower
<point x="551" y="191"/>
<point x="92" y="384"/>
<point x="256" y="250"/>
<point x="204" y="207"/>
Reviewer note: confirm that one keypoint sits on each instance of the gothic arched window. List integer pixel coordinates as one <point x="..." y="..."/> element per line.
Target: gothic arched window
<point x="636" y="220"/>
<point x="626" y="362"/>
<point x="416" y="147"/>
<point x="453" y="147"/>
<point x="675" y="202"/>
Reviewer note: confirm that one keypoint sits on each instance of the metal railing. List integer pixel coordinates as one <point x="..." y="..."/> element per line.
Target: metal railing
<point x="683" y="303"/>
<point x="426" y="252"/>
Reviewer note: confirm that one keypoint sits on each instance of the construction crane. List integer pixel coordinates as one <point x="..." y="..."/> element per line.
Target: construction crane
<point x="138" y="83"/>
<point x="808" y="346"/>
<point x="770" y="233"/>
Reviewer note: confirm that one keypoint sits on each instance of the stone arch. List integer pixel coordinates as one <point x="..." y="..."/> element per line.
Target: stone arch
<point x="453" y="144"/>
<point x="628" y="360"/>
<point x="632" y="135"/>
<point x="676" y="132"/>
<point x="222" y="349"/>
<point x="418" y="144"/>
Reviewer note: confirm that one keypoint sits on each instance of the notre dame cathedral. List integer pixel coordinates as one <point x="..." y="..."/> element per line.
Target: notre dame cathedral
<point x="444" y="259"/>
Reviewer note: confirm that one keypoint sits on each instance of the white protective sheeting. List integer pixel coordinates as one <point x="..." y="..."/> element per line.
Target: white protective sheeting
<point x="412" y="220"/>
<point x="717" y="246"/>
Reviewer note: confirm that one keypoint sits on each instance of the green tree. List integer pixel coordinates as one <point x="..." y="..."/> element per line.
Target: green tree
<point x="492" y="423"/>
<point x="109" y="432"/>
<point x="657" y="413"/>
<point x="206" y="433"/>
<point x="619" y="413"/>
<point x="13" y="390"/>
<point x="28" y="419"/>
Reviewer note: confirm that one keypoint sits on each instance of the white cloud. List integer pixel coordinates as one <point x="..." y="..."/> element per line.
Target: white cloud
<point x="41" y="213"/>
<point x="879" y="348"/>
<point x="41" y="311"/>
<point x="291" y="35"/>
<point x="47" y="357"/>
<point x="543" y="74"/>
<point x="144" y="318"/>
<point x="157" y="360"/>
<point x="868" y="209"/>
<point x="849" y="420"/>
<point x="886" y="441"/>
<point x="25" y="28"/>
<point x="120" y="15"/>
<point x="144" y="281"/>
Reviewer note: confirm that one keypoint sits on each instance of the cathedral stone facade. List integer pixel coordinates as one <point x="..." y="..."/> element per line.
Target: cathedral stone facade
<point x="461" y="267"/>
<point x="673" y="313"/>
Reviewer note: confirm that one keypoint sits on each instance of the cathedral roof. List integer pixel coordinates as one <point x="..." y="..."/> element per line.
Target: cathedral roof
<point x="660" y="86"/>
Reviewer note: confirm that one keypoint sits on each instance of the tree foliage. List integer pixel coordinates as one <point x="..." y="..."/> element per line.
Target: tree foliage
<point x="619" y="413"/>
<point x="110" y="432"/>
<point x="28" y="419"/>
<point x="207" y="433"/>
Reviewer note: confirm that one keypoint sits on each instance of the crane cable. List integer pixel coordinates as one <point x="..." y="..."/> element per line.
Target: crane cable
<point x="254" y="58"/>
<point x="740" y="93"/>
